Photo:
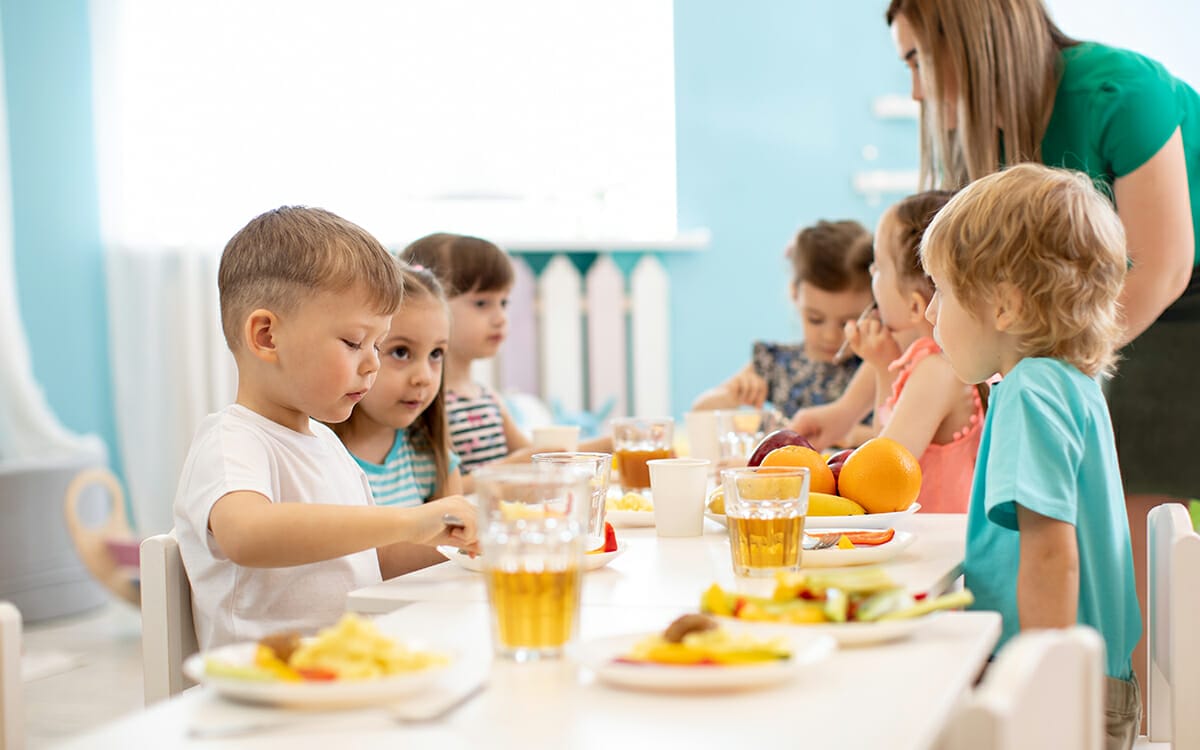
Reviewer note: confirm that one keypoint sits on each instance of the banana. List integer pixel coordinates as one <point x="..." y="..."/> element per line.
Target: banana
<point x="821" y="504"/>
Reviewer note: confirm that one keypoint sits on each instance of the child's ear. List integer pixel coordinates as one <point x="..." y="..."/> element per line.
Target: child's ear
<point x="917" y="304"/>
<point x="794" y="288"/>
<point x="259" y="335"/>
<point x="1009" y="302"/>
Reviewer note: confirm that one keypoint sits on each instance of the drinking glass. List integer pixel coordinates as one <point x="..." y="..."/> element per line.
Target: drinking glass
<point x="533" y="530"/>
<point x="597" y="467"/>
<point x="765" y="509"/>
<point x="637" y="440"/>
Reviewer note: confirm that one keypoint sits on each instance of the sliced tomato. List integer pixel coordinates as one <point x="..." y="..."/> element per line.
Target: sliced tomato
<point x="610" y="538"/>
<point x="316" y="674"/>
<point x="865" y="538"/>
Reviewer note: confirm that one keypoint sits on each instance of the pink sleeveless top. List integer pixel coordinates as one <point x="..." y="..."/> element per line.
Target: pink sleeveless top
<point x="946" y="469"/>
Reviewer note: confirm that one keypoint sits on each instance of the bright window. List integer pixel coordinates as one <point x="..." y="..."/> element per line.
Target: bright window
<point x="532" y="119"/>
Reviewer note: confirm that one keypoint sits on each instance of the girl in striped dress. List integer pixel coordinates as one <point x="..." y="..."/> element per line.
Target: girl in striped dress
<point x="398" y="432"/>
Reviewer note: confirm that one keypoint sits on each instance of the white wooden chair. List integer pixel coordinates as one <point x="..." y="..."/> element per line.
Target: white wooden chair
<point x="1045" y="691"/>
<point x="1173" y="695"/>
<point x="12" y="708"/>
<point x="168" y="632"/>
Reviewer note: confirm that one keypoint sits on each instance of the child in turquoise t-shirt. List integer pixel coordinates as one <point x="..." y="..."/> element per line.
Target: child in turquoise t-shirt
<point x="1028" y="264"/>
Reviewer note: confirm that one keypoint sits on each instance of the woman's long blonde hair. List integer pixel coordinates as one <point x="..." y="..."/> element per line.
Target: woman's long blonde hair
<point x="1005" y="57"/>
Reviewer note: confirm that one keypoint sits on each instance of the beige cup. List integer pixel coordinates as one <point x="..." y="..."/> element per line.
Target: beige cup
<point x="679" y="486"/>
<point x="556" y="438"/>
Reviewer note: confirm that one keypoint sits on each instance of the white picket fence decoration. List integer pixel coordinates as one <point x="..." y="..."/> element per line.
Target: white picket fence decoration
<point x="574" y="349"/>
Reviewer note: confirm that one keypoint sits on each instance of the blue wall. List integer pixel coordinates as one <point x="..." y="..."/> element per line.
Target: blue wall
<point x="56" y="220"/>
<point x="772" y="113"/>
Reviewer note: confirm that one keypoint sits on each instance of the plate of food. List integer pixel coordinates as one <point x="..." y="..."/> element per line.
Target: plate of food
<point x="349" y="664"/>
<point x="695" y="653"/>
<point x="591" y="560"/>
<point x="629" y="510"/>
<point x="855" y="547"/>
<point x="857" y="606"/>
<point x="863" y="521"/>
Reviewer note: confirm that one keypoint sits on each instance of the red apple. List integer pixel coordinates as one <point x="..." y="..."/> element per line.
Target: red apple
<point x="776" y="439"/>
<point x="835" y="462"/>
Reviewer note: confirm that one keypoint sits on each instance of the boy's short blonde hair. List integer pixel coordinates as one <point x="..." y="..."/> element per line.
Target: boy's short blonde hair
<point x="285" y="256"/>
<point x="1054" y="238"/>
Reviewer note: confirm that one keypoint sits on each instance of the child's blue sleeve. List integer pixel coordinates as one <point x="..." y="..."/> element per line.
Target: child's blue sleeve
<point x="455" y="462"/>
<point x="1036" y="447"/>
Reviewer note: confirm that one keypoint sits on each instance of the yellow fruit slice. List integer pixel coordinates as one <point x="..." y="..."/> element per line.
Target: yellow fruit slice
<point x="822" y="504"/>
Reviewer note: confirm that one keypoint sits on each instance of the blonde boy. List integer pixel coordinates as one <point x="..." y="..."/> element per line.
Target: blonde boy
<point x="1028" y="264"/>
<point x="275" y="520"/>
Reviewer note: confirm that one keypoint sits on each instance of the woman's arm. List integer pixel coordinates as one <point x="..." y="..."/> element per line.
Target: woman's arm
<point x="1155" y="207"/>
<point x="1048" y="574"/>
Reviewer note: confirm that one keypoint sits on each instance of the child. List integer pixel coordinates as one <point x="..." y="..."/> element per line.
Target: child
<point x="918" y="400"/>
<point x="477" y="276"/>
<point x="830" y="287"/>
<point x="274" y="519"/>
<point x="398" y="432"/>
<point x="1028" y="264"/>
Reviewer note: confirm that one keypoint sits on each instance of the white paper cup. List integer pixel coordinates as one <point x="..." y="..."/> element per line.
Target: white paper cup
<point x="702" y="435"/>
<point x="678" y="486"/>
<point x="556" y="438"/>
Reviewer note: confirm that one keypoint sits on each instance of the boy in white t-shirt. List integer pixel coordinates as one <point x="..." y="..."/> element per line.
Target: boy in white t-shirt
<point x="275" y="520"/>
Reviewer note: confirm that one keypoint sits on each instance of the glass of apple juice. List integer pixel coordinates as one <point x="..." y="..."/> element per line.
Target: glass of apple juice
<point x="765" y="509"/>
<point x="533" y="531"/>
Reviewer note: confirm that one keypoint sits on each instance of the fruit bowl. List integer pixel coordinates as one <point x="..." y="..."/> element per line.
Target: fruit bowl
<point x="867" y="521"/>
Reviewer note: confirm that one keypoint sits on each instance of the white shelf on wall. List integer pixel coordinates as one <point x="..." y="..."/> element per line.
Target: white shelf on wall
<point x="895" y="107"/>
<point x="690" y="241"/>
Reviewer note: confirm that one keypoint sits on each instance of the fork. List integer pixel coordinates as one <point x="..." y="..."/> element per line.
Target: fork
<point x="818" y="542"/>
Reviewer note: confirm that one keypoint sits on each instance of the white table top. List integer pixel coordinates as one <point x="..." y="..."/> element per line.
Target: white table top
<point x="896" y="696"/>
<point x="674" y="572"/>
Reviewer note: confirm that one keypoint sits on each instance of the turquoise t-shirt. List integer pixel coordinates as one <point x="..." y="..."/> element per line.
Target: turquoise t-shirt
<point x="1113" y="110"/>
<point x="1048" y="444"/>
<point x="406" y="477"/>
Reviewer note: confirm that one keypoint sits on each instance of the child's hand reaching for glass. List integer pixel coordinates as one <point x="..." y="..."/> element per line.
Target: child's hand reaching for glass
<point x="873" y="343"/>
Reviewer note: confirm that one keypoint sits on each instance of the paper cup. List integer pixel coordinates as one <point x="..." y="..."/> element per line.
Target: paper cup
<point x="678" y="486"/>
<point x="556" y="438"/>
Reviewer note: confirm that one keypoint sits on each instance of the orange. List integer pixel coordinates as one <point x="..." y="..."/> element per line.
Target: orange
<point x="820" y="475"/>
<point x="881" y="475"/>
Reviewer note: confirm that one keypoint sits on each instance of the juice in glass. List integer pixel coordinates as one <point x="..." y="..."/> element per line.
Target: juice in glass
<point x="637" y="440"/>
<point x="534" y="609"/>
<point x="765" y="509"/>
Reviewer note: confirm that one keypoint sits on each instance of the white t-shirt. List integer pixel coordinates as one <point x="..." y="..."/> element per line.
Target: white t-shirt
<point x="238" y="449"/>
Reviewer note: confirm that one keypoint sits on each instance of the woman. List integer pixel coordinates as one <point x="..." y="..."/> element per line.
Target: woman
<point x="999" y="83"/>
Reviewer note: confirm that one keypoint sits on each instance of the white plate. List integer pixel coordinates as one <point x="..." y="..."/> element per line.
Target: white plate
<point x="590" y="561"/>
<point x="833" y="557"/>
<point x="600" y="657"/>
<point x="847" y="633"/>
<point x="629" y="518"/>
<point x="331" y="694"/>
<point x="866" y="521"/>
<point x="718" y="517"/>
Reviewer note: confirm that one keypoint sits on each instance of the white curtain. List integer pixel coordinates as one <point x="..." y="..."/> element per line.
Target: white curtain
<point x="526" y="119"/>
<point x="170" y="367"/>
<point x="29" y="431"/>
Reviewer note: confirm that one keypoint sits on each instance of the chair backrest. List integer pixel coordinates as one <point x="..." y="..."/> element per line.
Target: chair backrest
<point x="1172" y="707"/>
<point x="92" y="544"/>
<point x="168" y="632"/>
<point x="1045" y="690"/>
<point x="12" y="708"/>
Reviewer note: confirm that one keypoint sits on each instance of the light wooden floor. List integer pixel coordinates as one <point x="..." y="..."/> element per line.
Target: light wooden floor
<point x="105" y="682"/>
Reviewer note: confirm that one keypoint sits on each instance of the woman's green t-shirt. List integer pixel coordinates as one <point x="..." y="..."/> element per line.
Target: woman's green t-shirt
<point x="1114" y="109"/>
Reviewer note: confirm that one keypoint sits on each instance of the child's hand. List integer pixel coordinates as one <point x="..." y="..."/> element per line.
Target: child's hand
<point x="455" y="505"/>
<point x="873" y="343"/>
<point x="748" y="387"/>
<point x="823" y="425"/>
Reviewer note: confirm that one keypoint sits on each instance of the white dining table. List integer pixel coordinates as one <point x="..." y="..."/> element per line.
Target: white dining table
<point x="670" y="571"/>
<point x="896" y="695"/>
